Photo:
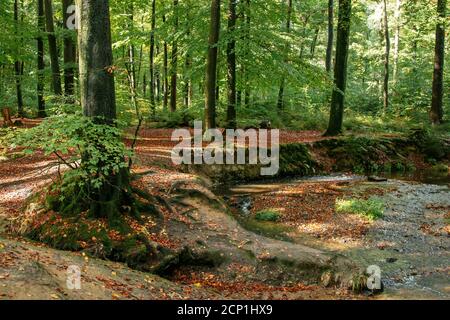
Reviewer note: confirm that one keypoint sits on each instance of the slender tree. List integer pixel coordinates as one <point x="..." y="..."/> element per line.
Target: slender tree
<point x="398" y="16"/>
<point x="53" y="48"/>
<point x="173" y="67"/>
<point x="188" y="92"/>
<point x="280" y="102"/>
<point x="244" y="69"/>
<point x="18" y="65"/>
<point x="231" y="65"/>
<point x="69" y="52"/>
<point x="211" y="66"/>
<point x="329" y="55"/>
<point x="340" y="69"/>
<point x="165" y="72"/>
<point x="131" y="64"/>
<point x="437" y="110"/>
<point x="40" y="60"/>
<point x="152" y="59"/>
<point x="387" y="44"/>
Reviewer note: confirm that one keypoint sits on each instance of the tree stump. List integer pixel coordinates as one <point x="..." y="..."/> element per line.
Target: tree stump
<point x="6" y="114"/>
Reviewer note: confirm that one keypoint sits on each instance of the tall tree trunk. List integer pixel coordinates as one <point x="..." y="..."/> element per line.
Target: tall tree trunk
<point x="211" y="66"/>
<point x="18" y="65"/>
<point x="40" y="60"/>
<point x="386" y="57"/>
<point x="329" y="56"/>
<point x="173" y="67"/>
<point x="437" y="110"/>
<point x="158" y="78"/>
<point x="188" y="82"/>
<point x="152" y="60"/>
<point x="70" y="54"/>
<point x="247" y="53"/>
<point x="97" y="90"/>
<point x="165" y="73"/>
<point x="131" y="65"/>
<point x="53" y="48"/>
<point x="231" y="65"/>
<point x="187" y="66"/>
<point x="340" y="69"/>
<point x="280" y="102"/>
<point x="98" y="100"/>
<point x="398" y="16"/>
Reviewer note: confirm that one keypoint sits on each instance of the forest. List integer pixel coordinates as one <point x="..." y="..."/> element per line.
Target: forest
<point x="234" y="149"/>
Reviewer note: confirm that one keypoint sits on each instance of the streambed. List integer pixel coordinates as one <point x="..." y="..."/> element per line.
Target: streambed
<point x="410" y="243"/>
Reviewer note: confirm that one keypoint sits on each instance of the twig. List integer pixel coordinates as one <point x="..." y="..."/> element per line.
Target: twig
<point x="64" y="161"/>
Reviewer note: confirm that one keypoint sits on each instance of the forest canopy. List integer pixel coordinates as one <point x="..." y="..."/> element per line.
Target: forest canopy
<point x="158" y="45"/>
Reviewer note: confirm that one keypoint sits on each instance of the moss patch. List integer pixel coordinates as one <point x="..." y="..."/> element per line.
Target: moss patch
<point x="267" y="215"/>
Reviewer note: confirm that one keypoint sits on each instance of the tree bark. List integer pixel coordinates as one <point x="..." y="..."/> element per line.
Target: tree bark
<point x="18" y="65"/>
<point x="340" y="69"/>
<point x="96" y="61"/>
<point x="211" y="66"/>
<point x="53" y="48"/>
<point x="398" y="16"/>
<point x="165" y="73"/>
<point x="231" y="65"/>
<point x="98" y="101"/>
<point x="247" y="53"/>
<point x="173" y="81"/>
<point x="386" y="57"/>
<point x="70" y="53"/>
<point x="152" y="59"/>
<point x="188" y="66"/>
<point x="280" y="102"/>
<point x="131" y="65"/>
<point x="437" y="110"/>
<point x="40" y="60"/>
<point x="329" y="55"/>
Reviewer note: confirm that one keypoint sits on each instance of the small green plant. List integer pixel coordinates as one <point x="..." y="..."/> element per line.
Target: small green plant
<point x="267" y="215"/>
<point x="95" y="175"/>
<point x="372" y="208"/>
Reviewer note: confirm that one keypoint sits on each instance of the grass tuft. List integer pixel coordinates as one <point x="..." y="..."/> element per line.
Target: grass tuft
<point x="372" y="208"/>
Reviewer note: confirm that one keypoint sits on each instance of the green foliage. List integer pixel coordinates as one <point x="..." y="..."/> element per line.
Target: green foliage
<point x="92" y="151"/>
<point x="372" y="208"/>
<point x="267" y="215"/>
<point x="180" y="118"/>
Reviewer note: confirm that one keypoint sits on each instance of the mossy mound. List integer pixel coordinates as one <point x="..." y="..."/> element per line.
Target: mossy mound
<point x="125" y="239"/>
<point x="434" y="148"/>
<point x="369" y="154"/>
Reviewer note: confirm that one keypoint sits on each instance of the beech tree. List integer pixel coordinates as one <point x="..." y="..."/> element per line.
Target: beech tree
<point x="211" y="66"/>
<point x="40" y="60"/>
<point x="437" y="110"/>
<point x="340" y="69"/>
<point x="53" y="47"/>
<point x="231" y="65"/>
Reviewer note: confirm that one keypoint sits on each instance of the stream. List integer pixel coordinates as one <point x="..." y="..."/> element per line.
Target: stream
<point x="410" y="243"/>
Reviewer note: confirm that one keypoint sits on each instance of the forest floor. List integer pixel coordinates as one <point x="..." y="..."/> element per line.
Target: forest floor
<point x="310" y="233"/>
